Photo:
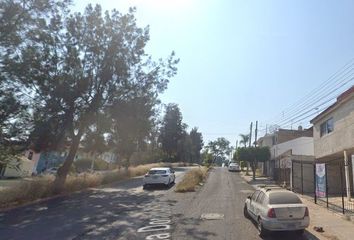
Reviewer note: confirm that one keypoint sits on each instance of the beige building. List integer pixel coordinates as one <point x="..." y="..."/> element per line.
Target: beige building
<point x="333" y="129"/>
<point x="333" y="132"/>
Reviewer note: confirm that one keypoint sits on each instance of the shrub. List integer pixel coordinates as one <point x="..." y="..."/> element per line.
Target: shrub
<point x="191" y="179"/>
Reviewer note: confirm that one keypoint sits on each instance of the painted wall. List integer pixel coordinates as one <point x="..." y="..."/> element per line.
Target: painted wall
<point x="299" y="146"/>
<point x="342" y="137"/>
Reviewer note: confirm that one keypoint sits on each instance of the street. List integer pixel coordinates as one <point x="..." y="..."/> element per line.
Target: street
<point x="125" y="211"/>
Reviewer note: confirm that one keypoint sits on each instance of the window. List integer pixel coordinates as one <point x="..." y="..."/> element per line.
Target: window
<point x="260" y="197"/>
<point x="254" y="196"/>
<point x="327" y="127"/>
<point x="284" y="197"/>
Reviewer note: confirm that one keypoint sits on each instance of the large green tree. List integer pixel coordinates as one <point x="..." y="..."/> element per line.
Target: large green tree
<point x="76" y="65"/>
<point x="172" y="131"/>
<point x="253" y="155"/>
<point x="197" y="145"/>
<point x="220" y="148"/>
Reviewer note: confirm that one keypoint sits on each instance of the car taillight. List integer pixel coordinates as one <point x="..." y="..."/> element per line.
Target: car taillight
<point x="306" y="212"/>
<point x="147" y="175"/>
<point x="271" y="213"/>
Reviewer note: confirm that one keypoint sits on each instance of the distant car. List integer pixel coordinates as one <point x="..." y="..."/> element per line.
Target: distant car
<point x="164" y="176"/>
<point x="234" y="167"/>
<point x="276" y="209"/>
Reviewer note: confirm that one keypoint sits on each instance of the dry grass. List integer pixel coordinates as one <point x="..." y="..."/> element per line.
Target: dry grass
<point x="41" y="187"/>
<point x="192" y="179"/>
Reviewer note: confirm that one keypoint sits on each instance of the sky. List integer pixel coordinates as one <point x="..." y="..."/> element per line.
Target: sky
<point x="243" y="61"/>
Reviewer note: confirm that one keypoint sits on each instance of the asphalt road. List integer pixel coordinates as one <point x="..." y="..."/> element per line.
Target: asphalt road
<point x="222" y="199"/>
<point x="125" y="211"/>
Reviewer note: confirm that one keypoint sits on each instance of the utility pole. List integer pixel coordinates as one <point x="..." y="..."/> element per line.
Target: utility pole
<point x="250" y="138"/>
<point x="236" y="144"/>
<point x="255" y="133"/>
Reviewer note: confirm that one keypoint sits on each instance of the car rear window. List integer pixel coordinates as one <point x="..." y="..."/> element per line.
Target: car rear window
<point x="154" y="172"/>
<point x="283" y="198"/>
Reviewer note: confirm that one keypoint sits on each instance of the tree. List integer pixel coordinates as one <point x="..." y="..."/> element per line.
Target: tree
<point x="244" y="139"/>
<point x="197" y="144"/>
<point x="253" y="155"/>
<point x="219" y="148"/>
<point x="76" y="65"/>
<point x="132" y="122"/>
<point x="172" y="131"/>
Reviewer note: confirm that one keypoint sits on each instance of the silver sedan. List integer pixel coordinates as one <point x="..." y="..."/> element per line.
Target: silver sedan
<point x="277" y="209"/>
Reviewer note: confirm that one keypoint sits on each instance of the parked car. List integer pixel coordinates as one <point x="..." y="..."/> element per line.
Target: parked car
<point x="164" y="176"/>
<point x="234" y="167"/>
<point x="276" y="209"/>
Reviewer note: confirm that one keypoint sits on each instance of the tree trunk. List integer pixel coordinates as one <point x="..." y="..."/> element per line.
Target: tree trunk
<point x="64" y="169"/>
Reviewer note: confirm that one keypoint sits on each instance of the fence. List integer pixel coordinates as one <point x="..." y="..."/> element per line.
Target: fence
<point x="303" y="181"/>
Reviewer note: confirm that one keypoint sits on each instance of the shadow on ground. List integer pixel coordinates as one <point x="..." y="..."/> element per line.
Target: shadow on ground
<point x="190" y="229"/>
<point x="94" y="212"/>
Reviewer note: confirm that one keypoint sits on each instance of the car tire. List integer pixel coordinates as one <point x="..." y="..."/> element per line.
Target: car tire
<point x="145" y="186"/>
<point x="245" y="212"/>
<point x="262" y="231"/>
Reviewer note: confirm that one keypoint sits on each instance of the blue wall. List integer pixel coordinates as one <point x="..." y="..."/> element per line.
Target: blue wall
<point x="48" y="160"/>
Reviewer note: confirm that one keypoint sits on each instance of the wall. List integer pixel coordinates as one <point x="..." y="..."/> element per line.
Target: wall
<point x="299" y="146"/>
<point x="343" y="135"/>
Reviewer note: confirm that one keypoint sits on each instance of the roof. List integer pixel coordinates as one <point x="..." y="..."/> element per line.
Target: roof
<point x="340" y="99"/>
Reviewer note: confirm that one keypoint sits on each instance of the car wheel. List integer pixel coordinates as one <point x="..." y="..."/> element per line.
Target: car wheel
<point x="144" y="186"/>
<point x="245" y="212"/>
<point x="262" y="231"/>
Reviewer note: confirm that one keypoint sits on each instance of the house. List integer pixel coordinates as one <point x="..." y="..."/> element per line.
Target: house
<point x="294" y="161"/>
<point x="278" y="137"/>
<point x="18" y="167"/>
<point x="333" y="131"/>
<point x="45" y="159"/>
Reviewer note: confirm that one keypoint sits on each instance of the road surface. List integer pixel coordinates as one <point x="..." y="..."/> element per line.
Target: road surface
<point x="125" y="211"/>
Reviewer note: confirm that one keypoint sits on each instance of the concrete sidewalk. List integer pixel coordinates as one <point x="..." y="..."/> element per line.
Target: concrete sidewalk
<point x="334" y="225"/>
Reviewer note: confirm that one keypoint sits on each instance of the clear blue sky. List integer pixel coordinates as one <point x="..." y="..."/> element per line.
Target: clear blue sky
<point x="246" y="60"/>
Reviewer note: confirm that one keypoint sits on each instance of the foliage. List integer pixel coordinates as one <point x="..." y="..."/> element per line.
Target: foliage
<point x="172" y="131"/>
<point x="192" y="179"/>
<point x="253" y="155"/>
<point x="219" y="149"/>
<point x="75" y="66"/>
<point x="207" y="158"/>
<point x="244" y="139"/>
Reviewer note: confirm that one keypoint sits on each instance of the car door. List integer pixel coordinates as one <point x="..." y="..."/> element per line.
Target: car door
<point x="258" y="205"/>
<point x="253" y="202"/>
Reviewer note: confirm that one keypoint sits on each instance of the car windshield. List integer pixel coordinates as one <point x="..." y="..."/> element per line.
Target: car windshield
<point x="283" y="198"/>
<point x="157" y="172"/>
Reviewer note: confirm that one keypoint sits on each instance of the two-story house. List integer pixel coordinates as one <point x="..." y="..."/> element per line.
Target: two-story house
<point x="275" y="139"/>
<point x="333" y="132"/>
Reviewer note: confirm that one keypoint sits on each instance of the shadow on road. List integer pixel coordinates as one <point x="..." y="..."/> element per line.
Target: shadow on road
<point x="290" y="236"/>
<point x="158" y="187"/>
<point x="190" y="228"/>
<point x="79" y="216"/>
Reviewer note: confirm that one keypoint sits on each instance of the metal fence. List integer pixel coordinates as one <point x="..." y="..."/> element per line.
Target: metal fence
<point x="303" y="181"/>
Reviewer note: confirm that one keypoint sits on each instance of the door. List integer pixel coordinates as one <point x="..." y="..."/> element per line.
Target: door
<point x="253" y="202"/>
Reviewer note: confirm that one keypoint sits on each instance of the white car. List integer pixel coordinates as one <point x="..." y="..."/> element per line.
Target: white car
<point x="164" y="176"/>
<point x="234" y="167"/>
<point x="277" y="209"/>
